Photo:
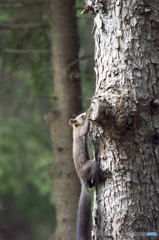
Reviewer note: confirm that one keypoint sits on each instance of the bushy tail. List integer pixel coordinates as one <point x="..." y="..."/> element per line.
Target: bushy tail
<point x="84" y="215"/>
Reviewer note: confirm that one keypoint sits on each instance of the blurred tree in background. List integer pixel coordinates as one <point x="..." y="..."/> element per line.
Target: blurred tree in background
<point x="26" y="197"/>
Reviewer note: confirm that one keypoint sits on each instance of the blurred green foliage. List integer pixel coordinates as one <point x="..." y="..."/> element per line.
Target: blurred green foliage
<point x="26" y="90"/>
<point x="25" y="154"/>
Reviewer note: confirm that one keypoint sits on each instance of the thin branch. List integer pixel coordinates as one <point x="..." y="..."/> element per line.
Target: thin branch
<point x="17" y="51"/>
<point x="43" y="96"/>
<point x="79" y="59"/>
<point x="17" y="5"/>
<point x="88" y="75"/>
<point x="79" y="8"/>
<point x="23" y="26"/>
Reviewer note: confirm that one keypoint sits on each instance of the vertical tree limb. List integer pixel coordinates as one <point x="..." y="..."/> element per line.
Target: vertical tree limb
<point x="125" y="117"/>
<point x="66" y="102"/>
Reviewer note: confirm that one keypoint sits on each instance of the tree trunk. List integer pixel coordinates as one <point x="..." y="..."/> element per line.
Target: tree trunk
<point x="125" y="117"/>
<point x="66" y="101"/>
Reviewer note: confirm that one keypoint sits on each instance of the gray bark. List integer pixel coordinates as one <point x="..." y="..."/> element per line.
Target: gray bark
<point x="125" y="117"/>
<point x="66" y="104"/>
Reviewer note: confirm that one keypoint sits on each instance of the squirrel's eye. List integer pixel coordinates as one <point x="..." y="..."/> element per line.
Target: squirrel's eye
<point x="82" y="116"/>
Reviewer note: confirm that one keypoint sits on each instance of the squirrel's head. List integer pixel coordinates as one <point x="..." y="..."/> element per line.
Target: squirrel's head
<point x="79" y="120"/>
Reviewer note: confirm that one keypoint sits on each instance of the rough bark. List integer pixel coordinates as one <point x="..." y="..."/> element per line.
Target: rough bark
<point x="66" y="104"/>
<point x="125" y="117"/>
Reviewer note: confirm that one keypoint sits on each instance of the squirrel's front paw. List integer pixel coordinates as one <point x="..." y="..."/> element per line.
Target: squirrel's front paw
<point x="107" y="173"/>
<point x="104" y="175"/>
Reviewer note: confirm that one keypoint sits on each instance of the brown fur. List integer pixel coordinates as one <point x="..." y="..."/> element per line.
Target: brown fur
<point x="87" y="171"/>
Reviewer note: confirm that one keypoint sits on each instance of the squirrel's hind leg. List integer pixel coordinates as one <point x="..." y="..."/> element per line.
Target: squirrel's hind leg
<point x="93" y="174"/>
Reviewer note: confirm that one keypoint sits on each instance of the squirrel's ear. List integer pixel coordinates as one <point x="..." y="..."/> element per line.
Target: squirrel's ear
<point x="72" y="121"/>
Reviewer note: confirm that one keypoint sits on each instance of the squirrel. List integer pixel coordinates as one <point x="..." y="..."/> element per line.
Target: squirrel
<point x="88" y="172"/>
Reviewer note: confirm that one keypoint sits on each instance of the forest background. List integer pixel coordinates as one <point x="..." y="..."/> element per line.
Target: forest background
<point x="26" y="95"/>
